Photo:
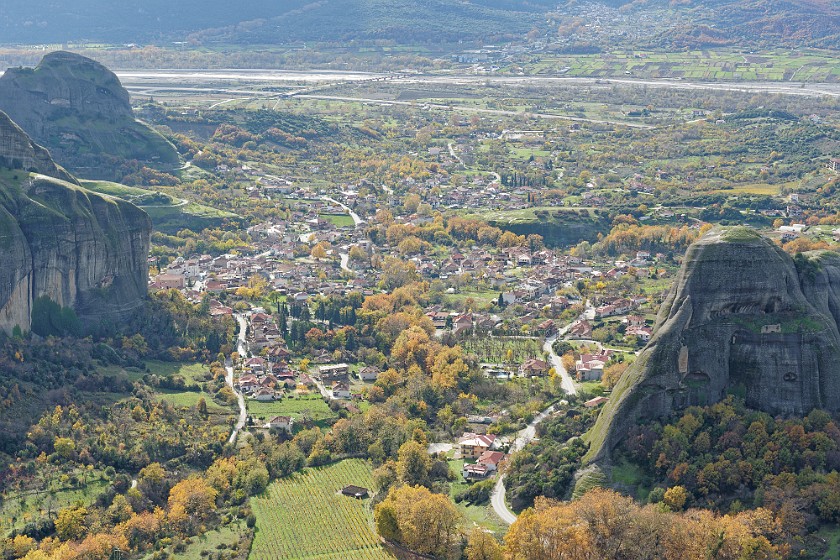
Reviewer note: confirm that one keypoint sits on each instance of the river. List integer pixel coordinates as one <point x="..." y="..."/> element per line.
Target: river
<point x="200" y="79"/>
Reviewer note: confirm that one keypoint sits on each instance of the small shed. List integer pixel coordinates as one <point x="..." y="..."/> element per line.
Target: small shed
<point x="357" y="492"/>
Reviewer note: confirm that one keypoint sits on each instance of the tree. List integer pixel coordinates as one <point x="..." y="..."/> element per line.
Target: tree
<point x="411" y="202"/>
<point x="676" y="497"/>
<point x="201" y="407"/>
<point x="256" y="480"/>
<point x="357" y="254"/>
<point x="190" y="502"/>
<point x="541" y="531"/>
<point x="318" y="252"/>
<point x="420" y="520"/>
<point x="482" y="546"/>
<point x="568" y="361"/>
<point x="65" y="447"/>
<point x="612" y="373"/>
<point x="448" y="368"/>
<point x="142" y="528"/>
<point x="411" y="347"/>
<point x="71" y="523"/>
<point x="152" y="483"/>
<point x="397" y="273"/>
<point x="413" y="464"/>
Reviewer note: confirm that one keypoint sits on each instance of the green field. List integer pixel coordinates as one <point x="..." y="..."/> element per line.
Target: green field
<point x="799" y="66"/>
<point x="311" y="406"/>
<point x="192" y="374"/>
<point x="168" y="213"/>
<point x="305" y="517"/>
<point x="830" y="535"/>
<point x="483" y="515"/>
<point x="338" y="220"/>
<point x="18" y="509"/>
<point x="118" y="190"/>
<point x="206" y="544"/>
<point x="758" y="188"/>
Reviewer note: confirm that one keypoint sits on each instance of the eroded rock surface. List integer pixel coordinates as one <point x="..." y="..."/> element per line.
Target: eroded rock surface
<point x="82" y="250"/>
<point x="78" y="109"/>
<point x="741" y="317"/>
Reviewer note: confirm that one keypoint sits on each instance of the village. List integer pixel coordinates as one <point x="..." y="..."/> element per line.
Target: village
<point x="324" y="250"/>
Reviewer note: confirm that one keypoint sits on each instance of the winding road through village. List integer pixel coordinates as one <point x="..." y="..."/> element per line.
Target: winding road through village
<point x="242" y="348"/>
<point x="529" y="433"/>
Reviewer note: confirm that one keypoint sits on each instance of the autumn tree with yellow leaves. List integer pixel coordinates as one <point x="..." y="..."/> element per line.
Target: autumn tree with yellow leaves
<point x="605" y="524"/>
<point x="420" y="520"/>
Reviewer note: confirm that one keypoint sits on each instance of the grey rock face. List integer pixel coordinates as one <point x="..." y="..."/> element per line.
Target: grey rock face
<point x="18" y="151"/>
<point x="742" y="317"/>
<point x="63" y="83"/>
<point x="81" y="249"/>
<point x="79" y="109"/>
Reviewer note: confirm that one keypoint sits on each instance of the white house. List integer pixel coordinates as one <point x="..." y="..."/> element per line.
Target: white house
<point x="369" y="373"/>
<point x="341" y="390"/>
<point x="264" y="395"/>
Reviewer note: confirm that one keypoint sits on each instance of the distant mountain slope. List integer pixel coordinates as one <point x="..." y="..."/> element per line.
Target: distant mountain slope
<point x="403" y="21"/>
<point x="25" y="21"/>
<point x="661" y="23"/>
<point x="78" y="109"/>
<point x="761" y="23"/>
<point x="35" y="21"/>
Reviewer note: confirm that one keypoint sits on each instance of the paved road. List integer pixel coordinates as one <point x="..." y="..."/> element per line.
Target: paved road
<point x="345" y="261"/>
<point x="455" y="156"/>
<point x="525" y="436"/>
<point x="243" y="351"/>
<point x="557" y="364"/>
<point x="326" y="393"/>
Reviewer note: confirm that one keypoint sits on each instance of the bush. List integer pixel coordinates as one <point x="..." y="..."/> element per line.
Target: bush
<point x="477" y="494"/>
<point x="656" y="495"/>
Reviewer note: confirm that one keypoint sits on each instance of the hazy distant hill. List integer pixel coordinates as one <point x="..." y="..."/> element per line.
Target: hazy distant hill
<point x="34" y="21"/>
<point x="814" y="23"/>
<point x="42" y="21"/>
<point x="671" y="23"/>
<point x="404" y="21"/>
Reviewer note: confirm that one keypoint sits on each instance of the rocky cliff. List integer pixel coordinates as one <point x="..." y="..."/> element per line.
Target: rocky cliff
<point x="741" y="317"/>
<point x="82" y="250"/>
<point x="80" y="111"/>
<point x="18" y="151"/>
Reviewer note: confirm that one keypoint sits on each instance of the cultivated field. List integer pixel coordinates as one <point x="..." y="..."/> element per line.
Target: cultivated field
<point x="305" y="517"/>
<point x="814" y="66"/>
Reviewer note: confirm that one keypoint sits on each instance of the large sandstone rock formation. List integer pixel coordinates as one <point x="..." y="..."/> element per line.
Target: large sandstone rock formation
<point x="80" y="111"/>
<point x="742" y="317"/>
<point x="82" y="250"/>
<point x="18" y="151"/>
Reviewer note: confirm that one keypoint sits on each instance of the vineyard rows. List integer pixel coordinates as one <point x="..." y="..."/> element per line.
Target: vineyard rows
<point x="305" y="517"/>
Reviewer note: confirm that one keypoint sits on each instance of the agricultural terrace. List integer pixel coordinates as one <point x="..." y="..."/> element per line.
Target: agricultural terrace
<point x="305" y="517"/>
